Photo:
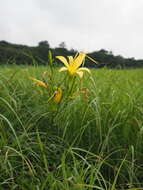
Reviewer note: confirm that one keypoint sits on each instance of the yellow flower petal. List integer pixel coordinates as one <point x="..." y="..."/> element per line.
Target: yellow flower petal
<point x="76" y="55"/>
<point x="39" y="82"/>
<point x="63" y="59"/>
<point x="80" y="73"/>
<point x="72" y="66"/>
<point x="70" y="60"/>
<point x="58" y="95"/>
<point x="63" y="69"/>
<point x="83" y="69"/>
<point x="79" y="60"/>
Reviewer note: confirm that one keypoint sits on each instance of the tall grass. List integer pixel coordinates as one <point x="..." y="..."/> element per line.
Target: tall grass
<point x="93" y="143"/>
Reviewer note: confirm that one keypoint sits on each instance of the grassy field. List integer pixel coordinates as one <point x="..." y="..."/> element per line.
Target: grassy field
<point x="92" y="141"/>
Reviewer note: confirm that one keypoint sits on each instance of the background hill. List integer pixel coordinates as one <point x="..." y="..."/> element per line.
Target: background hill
<point x="23" y="54"/>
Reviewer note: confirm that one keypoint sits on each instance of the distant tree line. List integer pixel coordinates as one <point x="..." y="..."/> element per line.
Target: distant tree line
<point x="22" y="54"/>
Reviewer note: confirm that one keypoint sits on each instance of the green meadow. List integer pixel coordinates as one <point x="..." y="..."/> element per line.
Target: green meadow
<point x="93" y="140"/>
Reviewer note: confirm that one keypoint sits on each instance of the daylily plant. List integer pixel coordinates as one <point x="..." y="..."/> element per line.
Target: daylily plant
<point x="57" y="96"/>
<point x="73" y="64"/>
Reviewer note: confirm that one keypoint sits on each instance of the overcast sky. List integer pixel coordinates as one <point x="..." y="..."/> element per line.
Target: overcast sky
<point x="87" y="25"/>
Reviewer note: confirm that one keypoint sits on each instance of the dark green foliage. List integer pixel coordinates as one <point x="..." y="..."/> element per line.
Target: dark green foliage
<point x="22" y="54"/>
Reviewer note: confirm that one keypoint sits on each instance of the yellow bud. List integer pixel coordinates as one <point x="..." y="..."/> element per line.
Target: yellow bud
<point x="39" y="82"/>
<point x="58" y="95"/>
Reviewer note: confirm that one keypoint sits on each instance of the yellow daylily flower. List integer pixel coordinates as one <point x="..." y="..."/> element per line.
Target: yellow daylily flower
<point x="73" y="64"/>
<point x="39" y="82"/>
<point x="58" y="95"/>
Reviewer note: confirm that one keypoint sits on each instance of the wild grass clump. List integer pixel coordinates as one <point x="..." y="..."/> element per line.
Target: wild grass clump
<point x="80" y="129"/>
